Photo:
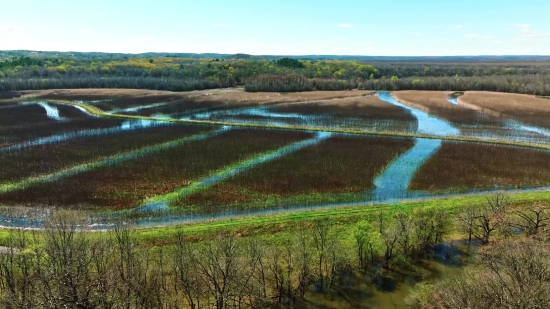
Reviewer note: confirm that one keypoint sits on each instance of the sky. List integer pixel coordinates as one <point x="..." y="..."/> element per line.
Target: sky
<point x="282" y="27"/>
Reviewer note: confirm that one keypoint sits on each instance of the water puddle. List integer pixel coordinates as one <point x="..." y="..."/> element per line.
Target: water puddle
<point x="146" y="151"/>
<point x="52" y="112"/>
<point x="162" y="202"/>
<point x="453" y="100"/>
<point x="516" y="125"/>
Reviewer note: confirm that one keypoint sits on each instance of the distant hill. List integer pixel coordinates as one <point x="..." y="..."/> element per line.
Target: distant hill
<point x="92" y="55"/>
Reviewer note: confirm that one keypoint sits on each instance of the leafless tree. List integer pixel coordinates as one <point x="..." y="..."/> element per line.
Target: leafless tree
<point x="514" y="274"/>
<point x="531" y="219"/>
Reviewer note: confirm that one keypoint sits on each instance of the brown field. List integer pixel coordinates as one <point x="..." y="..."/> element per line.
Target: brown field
<point x="34" y="161"/>
<point x="127" y="184"/>
<point x="435" y="103"/>
<point x="337" y="165"/>
<point x="525" y="108"/>
<point x="363" y="107"/>
<point x="234" y="99"/>
<point x="20" y="133"/>
<point x="262" y="98"/>
<point x="463" y="166"/>
<point x="123" y="98"/>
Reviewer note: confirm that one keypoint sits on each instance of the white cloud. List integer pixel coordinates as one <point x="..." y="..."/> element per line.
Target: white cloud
<point x="459" y="26"/>
<point x="11" y="28"/>
<point x="345" y="25"/>
<point x="526" y="32"/>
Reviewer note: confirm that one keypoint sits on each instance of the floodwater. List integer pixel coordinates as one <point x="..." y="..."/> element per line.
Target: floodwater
<point x="163" y="202"/>
<point x="453" y="100"/>
<point x="427" y="124"/>
<point x="137" y="108"/>
<point x="394" y="181"/>
<point x="52" y="112"/>
<point x="391" y="288"/>
<point x="513" y="130"/>
<point x="106" y="162"/>
<point x="57" y="138"/>
<point x="391" y="185"/>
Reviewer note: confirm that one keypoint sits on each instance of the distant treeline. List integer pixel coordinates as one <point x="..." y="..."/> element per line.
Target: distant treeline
<point x="259" y="74"/>
<point x="526" y="84"/>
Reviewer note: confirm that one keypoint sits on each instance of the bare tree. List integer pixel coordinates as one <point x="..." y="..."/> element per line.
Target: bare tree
<point x="66" y="271"/>
<point x="531" y="219"/>
<point x="218" y="266"/>
<point x="488" y="217"/>
<point x="511" y="275"/>
<point x="188" y="280"/>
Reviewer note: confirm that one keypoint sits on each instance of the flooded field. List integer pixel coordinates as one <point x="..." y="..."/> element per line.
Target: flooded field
<point x="135" y="158"/>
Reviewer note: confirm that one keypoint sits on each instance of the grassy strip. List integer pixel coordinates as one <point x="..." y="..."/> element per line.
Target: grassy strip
<point x="99" y="112"/>
<point x="344" y="218"/>
<point x="278" y="226"/>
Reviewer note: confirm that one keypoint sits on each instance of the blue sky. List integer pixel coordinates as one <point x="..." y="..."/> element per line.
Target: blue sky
<point x="282" y="27"/>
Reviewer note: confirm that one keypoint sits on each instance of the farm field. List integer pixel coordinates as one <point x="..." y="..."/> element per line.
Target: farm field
<point x="48" y="158"/>
<point x="527" y="109"/>
<point x="469" y="166"/>
<point x="19" y="122"/>
<point x="127" y="184"/>
<point x="56" y="155"/>
<point x="226" y="106"/>
<point x="337" y="165"/>
<point x="469" y="120"/>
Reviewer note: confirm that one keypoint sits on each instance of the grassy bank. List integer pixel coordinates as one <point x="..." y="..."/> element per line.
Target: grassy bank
<point x="274" y="226"/>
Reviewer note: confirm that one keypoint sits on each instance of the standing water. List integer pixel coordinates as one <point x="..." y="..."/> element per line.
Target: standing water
<point x="162" y="202"/>
<point x="51" y="112"/>
<point x="394" y="181"/>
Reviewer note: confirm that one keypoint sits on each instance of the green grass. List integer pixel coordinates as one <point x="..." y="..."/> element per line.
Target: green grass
<point x="344" y="218"/>
<point x="275" y="227"/>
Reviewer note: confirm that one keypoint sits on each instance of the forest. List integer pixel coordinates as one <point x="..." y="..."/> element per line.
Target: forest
<point x="63" y="267"/>
<point x="21" y="70"/>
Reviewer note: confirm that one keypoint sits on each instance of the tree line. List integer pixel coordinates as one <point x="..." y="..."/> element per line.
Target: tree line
<point x="169" y="73"/>
<point x="64" y="267"/>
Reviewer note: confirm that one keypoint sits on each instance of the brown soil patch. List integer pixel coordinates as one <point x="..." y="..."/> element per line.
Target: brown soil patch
<point x="525" y="108"/>
<point x="463" y="166"/>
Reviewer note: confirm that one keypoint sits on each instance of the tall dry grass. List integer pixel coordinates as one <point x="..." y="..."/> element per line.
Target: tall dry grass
<point x="526" y="108"/>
